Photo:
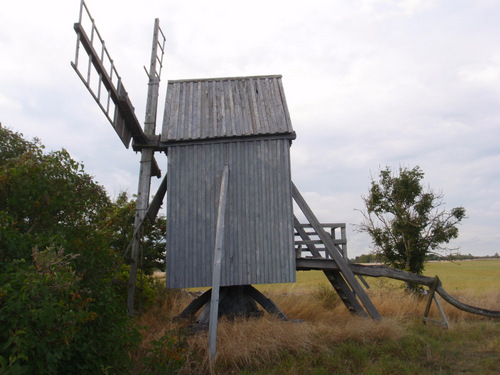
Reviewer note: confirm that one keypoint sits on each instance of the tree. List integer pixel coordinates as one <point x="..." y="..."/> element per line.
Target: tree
<point x="120" y="228"/>
<point x="405" y="221"/>
<point x="59" y="312"/>
<point x="45" y="199"/>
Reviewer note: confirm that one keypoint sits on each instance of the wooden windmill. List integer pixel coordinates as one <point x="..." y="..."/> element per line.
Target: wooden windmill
<point x="230" y="220"/>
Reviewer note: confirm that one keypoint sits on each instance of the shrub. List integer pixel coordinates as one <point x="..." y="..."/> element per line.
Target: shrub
<point x="50" y="323"/>
<point x="58" y="313"/>
<point x="168" y="353"/>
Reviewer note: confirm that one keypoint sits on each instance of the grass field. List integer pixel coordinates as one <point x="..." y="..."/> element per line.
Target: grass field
<point x="330" y="340"/>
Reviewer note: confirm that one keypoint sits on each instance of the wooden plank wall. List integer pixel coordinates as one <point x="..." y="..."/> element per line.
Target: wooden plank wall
<point x="259" y="242"/>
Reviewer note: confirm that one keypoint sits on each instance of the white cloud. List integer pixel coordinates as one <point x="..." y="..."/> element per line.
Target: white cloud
<point x="368" y="83"/>
<point x="480" y="74"/>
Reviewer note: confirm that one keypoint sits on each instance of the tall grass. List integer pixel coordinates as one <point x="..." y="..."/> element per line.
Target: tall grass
<point x="331" y="340"/>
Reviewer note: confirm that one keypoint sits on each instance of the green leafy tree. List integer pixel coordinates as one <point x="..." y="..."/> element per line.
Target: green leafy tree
<point x="45" y="199"/>
<point x="120" y="229"/>
<point x="407" y="221"/>
<point x="58" y="310"/>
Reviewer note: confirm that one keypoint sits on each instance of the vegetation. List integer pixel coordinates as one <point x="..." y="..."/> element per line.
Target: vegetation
<point x="120" y="228"/>
<point x="406" y="221"/>
<point x="61" y="247"/>
<point x="61" y="238"/>
<point x="330" y="340"/>
<point x="369" y="258"/>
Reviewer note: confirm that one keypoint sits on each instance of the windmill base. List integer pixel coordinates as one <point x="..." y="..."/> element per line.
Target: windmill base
<point x="234" y="301"/>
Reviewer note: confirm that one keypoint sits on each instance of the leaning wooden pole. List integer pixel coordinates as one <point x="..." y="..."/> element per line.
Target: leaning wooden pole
<point x="217" y="264"/>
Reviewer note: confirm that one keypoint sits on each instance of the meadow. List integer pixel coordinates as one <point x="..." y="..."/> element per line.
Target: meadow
<point x="328" y="339"/>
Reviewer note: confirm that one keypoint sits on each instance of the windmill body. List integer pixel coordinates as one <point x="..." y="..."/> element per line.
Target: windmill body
<point x="244" y="123"/>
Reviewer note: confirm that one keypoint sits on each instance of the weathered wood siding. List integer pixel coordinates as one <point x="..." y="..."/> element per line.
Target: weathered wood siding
<point x="259" y="243"/>
<point x="225" y="107"/>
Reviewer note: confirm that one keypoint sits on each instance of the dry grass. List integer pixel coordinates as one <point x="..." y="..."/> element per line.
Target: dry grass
<point x="329" y="339"/>
<point x="254" y="343"/>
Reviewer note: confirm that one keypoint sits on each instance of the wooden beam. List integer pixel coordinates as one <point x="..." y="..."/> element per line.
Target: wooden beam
<point x="432" y="290"/>
<point x="217" y="264"/>
<point x="365" y="270"/>
<point x="195" y="305"/>
<point x="265" y="302"/>
<point x="384" y="271"/>
<point x="303" y="234"/>
<point x="341" y="287"/>
<point x="118" y="95"/>
<point x="345" y="292"/>
<point x="157" y="201"/>
<point x="335" y="254"/>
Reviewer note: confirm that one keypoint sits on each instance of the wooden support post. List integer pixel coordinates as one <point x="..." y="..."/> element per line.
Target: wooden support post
<point x="195" y="305"/>
<point x="432" y="290"/>
<point x="265" y="302"/>
<point x="147" y="161"/>
<point x="441" y="311"/>
<point x="217" y="264"/>
<point x="335" y="254"/>
<point x="345" y="292"/>
<point x="433" y="297"/>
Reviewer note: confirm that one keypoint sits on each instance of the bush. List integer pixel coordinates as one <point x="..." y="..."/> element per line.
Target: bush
<point x="59" y="312"/>
<point x="146" y="291"/>
<point x="51" y="324"/>
<point x="168" y="353"/>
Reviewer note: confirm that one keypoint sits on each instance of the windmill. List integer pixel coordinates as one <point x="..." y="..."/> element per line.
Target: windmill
<point x="230" y="219"/>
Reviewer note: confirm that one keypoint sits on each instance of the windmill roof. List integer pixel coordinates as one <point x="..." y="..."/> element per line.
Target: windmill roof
<point x="199" y="109"/>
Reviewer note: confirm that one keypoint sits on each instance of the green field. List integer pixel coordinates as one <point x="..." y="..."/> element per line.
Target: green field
<point x="479" y="276"/>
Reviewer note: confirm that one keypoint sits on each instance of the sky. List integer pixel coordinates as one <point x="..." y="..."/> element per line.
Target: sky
<point x="369" y="84"/>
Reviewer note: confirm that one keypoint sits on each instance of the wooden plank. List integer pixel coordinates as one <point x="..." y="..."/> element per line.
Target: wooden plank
<point x="157" y="201"/>
<point x="345" y="292"/>
<point x="324" y="225"/>
<point x="265" y="302"/>
<point x="360" y="269"/>
<point x="335" y="254"/>
<point x="195" y="305"/>
<point x="217" y="265"/>
<point x="318" y="242"/>
<point x="443" y="316"/>
<point x="300" y="230"/>
<point x="384" y="271"/>
<point x="431" y="295"/>
<point x="341" y="287"/>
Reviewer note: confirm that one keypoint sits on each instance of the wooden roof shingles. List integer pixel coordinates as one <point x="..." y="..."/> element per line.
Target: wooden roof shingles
<point x="203" y="109"/>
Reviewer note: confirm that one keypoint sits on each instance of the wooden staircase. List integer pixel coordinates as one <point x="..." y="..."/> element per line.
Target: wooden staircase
<point x="314" y="238"/>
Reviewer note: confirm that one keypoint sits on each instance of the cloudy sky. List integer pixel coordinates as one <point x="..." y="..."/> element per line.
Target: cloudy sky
<point x="369" y="83"/>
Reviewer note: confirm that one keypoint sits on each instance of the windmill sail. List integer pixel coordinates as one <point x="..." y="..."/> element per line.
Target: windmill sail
<point x="98" y="73"/>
